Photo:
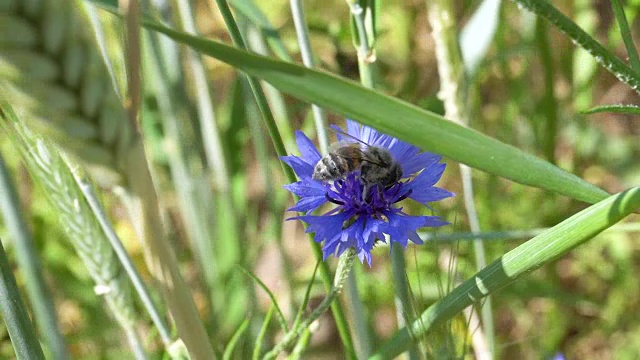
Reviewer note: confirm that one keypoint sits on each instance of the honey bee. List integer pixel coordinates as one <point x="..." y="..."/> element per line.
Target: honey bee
<point x="376" y="165"/>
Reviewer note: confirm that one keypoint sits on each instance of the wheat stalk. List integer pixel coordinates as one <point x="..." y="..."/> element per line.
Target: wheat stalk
<point x="53" y="172"/>
<point x="48" y="53"/>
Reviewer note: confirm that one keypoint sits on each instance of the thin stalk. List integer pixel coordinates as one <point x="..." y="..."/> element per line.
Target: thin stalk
<point x="632" y="53"/>
<point x="366" y="55"/>
<point x="366" y="63"/>
<point x="135" y="343"/>
<point x="262" y="334"/>
<point x="29" y="263"/>
<point x="256" y="42"/>
<point x="301" y="345"/>
<point x="21" y="331"/>
<point x="209" y="129"/>
<point x="550" y="106"/>
<point x="342" y="272"/>
<point x="270" y="123"/>
<point x="194" y="215"/>
<point x="123" y="257"/>
<point x="453" y="92"/>
<point x="302" y="31"/>
<point x="405" y="312"/>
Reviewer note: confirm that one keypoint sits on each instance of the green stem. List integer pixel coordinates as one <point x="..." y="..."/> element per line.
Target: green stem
<point x="342" y="272"/>
<point x="28" y="261"/>
<point x="319" y="116"/>
<point x="123" y="257"/>
<point x="453" y="92"/>
<point x="270" y="123"/>
<point x="550" y="106"/>
<point x="366" y="63"/>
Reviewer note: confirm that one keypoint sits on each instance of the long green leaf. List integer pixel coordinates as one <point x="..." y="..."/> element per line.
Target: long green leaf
<point x="614" y="108"/>
<point x="527" y="257"/>
<point x="412" y="124"/>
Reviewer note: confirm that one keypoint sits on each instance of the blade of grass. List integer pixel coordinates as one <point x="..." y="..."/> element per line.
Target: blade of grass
<point x="527" y="257"/>
<point x="274" y="302"/>
<point x="39" y="296"/>
<point x="261" y="335"/>
<point x="428" y="130"/>
<point x="228" y="350"/>
<point x="632" y="53"/>
<point x="624" y="109"/>
<point x="21" y="331"/>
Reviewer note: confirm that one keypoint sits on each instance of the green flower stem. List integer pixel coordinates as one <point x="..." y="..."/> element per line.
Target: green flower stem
<point x="342" y="272"/>
<point x="21" y="331"/>
<point x="366" y="63"/>
<point x="270" y="123"/>
<point x="41" y="300"/>
<point x="603" y="56"/>
<point x="453" y="93"/>
<point x="121" y="253"/>
<point x="319" y="116"/>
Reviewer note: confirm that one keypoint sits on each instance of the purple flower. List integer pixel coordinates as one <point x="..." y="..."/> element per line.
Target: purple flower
<point x="359" y="220"/>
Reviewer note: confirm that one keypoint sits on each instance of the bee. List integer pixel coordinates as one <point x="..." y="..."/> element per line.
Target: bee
<point x="376" y="165"/>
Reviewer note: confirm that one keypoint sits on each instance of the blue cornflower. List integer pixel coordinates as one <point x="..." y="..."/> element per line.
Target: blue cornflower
<point x="359" y="220"/>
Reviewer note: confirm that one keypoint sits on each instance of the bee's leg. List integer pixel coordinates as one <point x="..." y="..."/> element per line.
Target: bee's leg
<point x="365" y="193"/>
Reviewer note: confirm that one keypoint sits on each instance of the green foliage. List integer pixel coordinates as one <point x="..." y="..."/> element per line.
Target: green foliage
<point x="531" y="92"/>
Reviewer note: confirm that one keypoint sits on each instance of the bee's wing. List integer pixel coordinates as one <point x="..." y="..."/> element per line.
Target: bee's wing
<point x="339" y="131"/>
<point x="352" y="151"/>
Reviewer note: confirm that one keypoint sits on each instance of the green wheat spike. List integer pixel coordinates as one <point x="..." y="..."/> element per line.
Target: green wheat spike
<point x="53" y="172"/>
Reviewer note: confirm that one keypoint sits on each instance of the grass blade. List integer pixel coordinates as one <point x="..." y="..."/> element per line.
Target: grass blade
<point x="428" y="130"/>
<point x="619" y="108"/>
<point x="281" y="318"/>
<point x="527" y="257"/>
<point x="23" y="335"/>
<point x="39" y="296"/>
<point x="228" y="350"/>
<point x="263" y="332"/>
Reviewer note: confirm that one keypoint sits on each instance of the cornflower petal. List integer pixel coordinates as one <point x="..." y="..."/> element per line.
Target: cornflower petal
<point x="307" y="149"/>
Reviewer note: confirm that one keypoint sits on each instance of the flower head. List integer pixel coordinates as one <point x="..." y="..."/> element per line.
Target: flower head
<point x="365" y="212"/>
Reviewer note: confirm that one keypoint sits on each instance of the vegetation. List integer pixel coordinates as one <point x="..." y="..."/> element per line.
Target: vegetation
<point x="144" y="214"/>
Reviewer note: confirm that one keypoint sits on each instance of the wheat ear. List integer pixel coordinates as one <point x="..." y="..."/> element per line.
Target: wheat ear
<point x="49" y="168"/>
<point x="48" y="53"/>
